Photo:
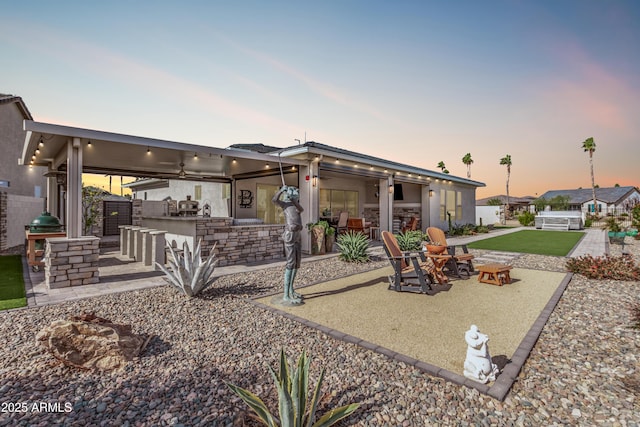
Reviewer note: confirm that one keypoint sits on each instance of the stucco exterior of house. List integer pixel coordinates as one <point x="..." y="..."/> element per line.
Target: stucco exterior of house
<point x="22" y="189"/>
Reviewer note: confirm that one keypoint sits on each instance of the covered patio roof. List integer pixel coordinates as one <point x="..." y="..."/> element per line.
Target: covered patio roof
<point x="118" y="154"/>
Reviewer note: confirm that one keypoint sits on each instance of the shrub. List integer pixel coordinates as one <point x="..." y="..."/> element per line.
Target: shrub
<point x="294" y="407"/>
<point x="588" y="222"/>
<point x="526" y="218"/>
<point x="188" y="272"/>
<point x="353" y="247"/>
<point x="605" y="267"/>
<point x="410" y="240"/>
<point x="462" y="230"/>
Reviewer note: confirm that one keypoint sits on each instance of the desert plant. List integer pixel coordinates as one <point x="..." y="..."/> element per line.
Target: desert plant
<point x="605" y="267"/>
<point x="410" y="240"/>
<point x="526" y="218"/>
<point x="612" y="224"/>
<point x="635" y="216"/>
<point x="188" y="272"/>
<point x="353" y="247"/>
<point x="294" y="407"/>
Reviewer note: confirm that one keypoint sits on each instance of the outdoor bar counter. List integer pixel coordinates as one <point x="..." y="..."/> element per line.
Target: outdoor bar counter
<point x="235" y="242"/>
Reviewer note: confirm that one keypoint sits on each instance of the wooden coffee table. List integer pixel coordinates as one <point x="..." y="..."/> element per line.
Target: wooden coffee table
<point x="494" y="274"/>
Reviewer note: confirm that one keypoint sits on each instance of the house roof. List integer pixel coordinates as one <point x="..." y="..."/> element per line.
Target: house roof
<point x="526" y="200"/>
<point x="357" y="163"/>
<point x="7" y="99"/>
<point x="612" y="195"/>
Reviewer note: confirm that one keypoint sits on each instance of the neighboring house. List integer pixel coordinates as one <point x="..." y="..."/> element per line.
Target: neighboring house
<point x="515" y="203"/>
<point x="214" y="194"/>
<point x="22" y="189"/>
<point x="609" y="200"/>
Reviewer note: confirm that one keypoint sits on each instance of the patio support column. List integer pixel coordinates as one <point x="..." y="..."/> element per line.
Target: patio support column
<point x="386" y="204"/>
<point x="74" y="188"/>
<point x="308" y="201"/>
<point x="425" y="207"/>
<point x="52" y="196"/>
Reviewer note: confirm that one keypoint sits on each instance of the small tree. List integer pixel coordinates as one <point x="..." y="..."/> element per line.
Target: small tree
<point x="540" y="203"/>
<point x="559" y="203"/>
<point x="496" y="201"/>
<point x="92" y="198"/>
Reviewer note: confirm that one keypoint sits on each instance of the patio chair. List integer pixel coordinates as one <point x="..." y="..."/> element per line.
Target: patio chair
<point x="342" y="223"/>
<point x="459" y="261"/>
<point x="358" y="225"/>
<point x="411" y="272"/>
<point x="412" y="225"/>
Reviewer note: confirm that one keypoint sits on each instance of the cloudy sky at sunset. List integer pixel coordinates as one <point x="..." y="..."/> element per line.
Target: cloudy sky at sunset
<point x="416" y="82"/>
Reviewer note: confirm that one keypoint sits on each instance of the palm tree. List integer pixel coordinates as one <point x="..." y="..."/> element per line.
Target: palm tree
<point x="506" y="160"/>
<point x="590" y="145"/>
<point x="467" y="160"/>
<point x="442" y="167"/>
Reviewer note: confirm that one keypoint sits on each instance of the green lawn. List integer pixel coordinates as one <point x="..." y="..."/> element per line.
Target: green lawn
<point x="12" y="293"/>
<point x="556" y="243"/>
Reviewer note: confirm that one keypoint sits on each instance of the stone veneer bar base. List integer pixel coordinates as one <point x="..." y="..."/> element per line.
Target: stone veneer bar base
<point x="71" y="261"/>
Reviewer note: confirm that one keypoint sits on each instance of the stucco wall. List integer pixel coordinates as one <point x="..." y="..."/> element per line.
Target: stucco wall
<point x="24" y="180"/>
<point x="212" y="193"/>
<point x="17" y="212"/>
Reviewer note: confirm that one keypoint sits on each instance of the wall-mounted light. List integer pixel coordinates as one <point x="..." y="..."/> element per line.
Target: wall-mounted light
<point x="266" y="166"/>
<point x="430" y="193"/>
<point x="293" y="168"/>
<point x="89" y="143"/>
<point x="390" y="188"/>
<point x="234" y="161"/>
<point x="314" y="180"/>
<point x="148" y="150"/>
<point x="195" y="155"/>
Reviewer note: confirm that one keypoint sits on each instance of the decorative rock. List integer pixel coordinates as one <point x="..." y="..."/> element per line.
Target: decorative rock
<point x="90" y="342"/>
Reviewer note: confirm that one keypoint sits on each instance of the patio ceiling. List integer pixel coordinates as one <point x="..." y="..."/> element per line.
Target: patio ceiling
<point x="117" y="154"/>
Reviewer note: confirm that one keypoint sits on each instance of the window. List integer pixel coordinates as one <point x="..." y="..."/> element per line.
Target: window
<point x="339" y="201"/>
<point x="451" y="204"/>
<point x="265" y="210"/>
<point x="197" y="192"/>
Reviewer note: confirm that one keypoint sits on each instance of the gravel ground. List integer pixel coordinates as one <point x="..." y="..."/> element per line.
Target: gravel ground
<point x="583" y="370"/>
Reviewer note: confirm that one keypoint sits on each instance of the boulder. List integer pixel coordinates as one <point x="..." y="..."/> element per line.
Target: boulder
<point x="91" y="342"/>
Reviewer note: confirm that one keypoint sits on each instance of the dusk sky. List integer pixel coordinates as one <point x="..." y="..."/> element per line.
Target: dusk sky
<point x="417" y="82"/>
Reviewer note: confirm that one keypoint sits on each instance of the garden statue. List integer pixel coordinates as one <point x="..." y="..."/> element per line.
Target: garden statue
<point x="478" y="365"/>
<point x="287" y="198"/>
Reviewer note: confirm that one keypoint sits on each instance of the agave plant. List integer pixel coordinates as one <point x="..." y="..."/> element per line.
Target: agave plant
<point x="294" y="407"/>
<point x="353" y="247"/>
<point x="188" y="272"/>
<point x="410" y="240"/>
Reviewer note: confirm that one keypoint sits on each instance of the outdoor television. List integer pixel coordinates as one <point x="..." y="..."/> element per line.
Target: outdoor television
<point x="397" y="192"/>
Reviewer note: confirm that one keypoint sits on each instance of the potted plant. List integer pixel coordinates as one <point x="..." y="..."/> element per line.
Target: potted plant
<point x="435" y="248"/>
<point x="329" y="238"/>
<point x="318" y="231"/>
<point x="613" y="226"/>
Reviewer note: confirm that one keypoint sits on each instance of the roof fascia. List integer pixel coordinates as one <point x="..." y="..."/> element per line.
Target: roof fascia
<point x="392" y="167"/>
<point x="73" y="132"/>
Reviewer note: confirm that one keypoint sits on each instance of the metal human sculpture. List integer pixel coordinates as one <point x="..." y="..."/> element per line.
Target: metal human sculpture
<point x="287" y="198"/>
